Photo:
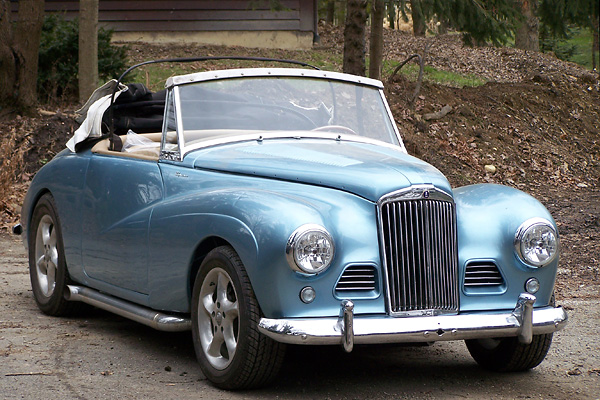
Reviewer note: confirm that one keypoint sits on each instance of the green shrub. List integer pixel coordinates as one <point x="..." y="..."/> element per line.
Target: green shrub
<point x="59" y="54"/>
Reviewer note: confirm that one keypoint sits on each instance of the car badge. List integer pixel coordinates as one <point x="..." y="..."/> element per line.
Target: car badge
<point x="426" y="194"/>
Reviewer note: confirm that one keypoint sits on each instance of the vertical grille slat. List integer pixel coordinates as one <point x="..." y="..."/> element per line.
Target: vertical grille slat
<point x="419" y="241"/>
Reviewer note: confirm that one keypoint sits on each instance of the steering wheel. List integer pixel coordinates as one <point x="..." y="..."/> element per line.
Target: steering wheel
<point x="335" y="128"/>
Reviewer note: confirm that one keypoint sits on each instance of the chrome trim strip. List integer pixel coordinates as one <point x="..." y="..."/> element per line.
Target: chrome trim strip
<point x="370" y="329"/>
<point x="179" y="123"/>
<point x="143" y="315"/>
<point x="416" y="192"/>
<point x="392" y="120"/>
<point x="259" y="137"/>
<point x="269" y="72"/>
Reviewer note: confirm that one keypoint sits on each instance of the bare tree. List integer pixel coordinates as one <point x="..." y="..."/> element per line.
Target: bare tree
<point x="376" y="39"/>
<point x="19" y="53"/>
<point x="527" y="34"/>
<point x="354" y="37"/>
<point x="88" y="48"/>
<point x="8" y="71"/>
<point x="418" y="18"/>
<point x="330" y="12"/>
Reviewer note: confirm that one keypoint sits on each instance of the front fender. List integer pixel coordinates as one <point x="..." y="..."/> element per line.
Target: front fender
<point x="488" y="217"/>
<point x="257" y="216"/>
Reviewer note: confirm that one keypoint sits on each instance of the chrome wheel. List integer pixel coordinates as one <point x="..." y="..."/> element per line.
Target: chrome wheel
<point x="46" y="255"/>
<point x="218" y="318"/>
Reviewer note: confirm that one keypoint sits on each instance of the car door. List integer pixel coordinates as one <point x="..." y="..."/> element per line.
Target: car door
<point x="118" y="199"/>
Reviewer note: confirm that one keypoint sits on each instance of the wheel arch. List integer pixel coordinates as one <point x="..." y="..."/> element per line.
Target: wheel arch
<point x="29" y="208"/>
<point x="200" y="253"/>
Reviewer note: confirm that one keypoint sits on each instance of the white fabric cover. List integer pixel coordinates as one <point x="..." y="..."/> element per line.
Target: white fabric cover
<point x="93" y="110"/>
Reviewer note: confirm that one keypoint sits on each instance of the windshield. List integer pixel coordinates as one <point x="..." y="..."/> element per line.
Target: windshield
<point x="226" y="107"/>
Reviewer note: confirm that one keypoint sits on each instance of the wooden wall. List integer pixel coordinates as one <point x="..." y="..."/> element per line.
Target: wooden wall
<point x="195" y="15"/>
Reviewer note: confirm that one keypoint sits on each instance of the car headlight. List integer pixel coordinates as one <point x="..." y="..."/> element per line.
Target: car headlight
<point x="536" y="242"/>
<point x="310" y="249"/>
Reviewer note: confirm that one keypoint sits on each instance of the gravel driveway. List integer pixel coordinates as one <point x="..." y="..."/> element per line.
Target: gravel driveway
<point x="102" y="356"/>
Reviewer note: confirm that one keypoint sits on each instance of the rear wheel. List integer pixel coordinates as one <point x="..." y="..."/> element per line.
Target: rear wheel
<point x="231" y="351"/>
<point x="47" y="266"/>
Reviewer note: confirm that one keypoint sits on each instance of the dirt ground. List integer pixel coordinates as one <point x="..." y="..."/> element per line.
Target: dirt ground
<point x="534" y="126"/>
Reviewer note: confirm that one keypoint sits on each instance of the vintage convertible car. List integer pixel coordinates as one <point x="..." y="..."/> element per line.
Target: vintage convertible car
<point x="279" y="206"/>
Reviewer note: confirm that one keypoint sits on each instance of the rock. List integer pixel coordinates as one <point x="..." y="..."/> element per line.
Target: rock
<point x="490" y="168"/>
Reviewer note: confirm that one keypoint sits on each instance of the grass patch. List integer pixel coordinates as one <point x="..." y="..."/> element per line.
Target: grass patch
<point x="582" y="41"/>
<point x="431" y="74"/>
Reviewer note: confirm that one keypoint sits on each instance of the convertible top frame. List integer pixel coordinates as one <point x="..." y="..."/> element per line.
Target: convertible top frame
<point x="111" y="129"/>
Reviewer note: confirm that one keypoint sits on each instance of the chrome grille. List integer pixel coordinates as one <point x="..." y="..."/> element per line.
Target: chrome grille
<point x="478" y="274"/>
<point x="419" y="243"/>
<point x="357" y="278"/>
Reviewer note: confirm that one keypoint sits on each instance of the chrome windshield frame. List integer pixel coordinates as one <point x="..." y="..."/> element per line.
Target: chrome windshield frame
<point x="174" y="83"/>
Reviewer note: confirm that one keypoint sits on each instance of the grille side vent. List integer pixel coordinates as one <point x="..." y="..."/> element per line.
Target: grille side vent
<point x="361" y="278"/>
<point x="482" y="274"/>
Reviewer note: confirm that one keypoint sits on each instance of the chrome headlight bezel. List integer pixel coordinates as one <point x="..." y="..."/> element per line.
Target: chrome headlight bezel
<point x="528" y="228"/>
<point x="293" y="249"/>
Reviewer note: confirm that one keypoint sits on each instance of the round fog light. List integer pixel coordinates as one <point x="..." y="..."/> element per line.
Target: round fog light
<point x="532" y="285"/>
<point x="307" y="295"/>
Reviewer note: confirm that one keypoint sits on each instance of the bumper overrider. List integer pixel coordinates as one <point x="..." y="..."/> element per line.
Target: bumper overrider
<point x="522" y="322"/>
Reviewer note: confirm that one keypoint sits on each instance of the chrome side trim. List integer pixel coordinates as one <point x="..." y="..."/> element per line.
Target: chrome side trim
<point x="143" y="315"/>
<point x="372" y="329"/>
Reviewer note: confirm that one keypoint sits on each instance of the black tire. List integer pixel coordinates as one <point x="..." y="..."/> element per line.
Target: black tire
<point x="507" y="354"/>
<point x="47" y="265"/>
<point x="231" y="351"/>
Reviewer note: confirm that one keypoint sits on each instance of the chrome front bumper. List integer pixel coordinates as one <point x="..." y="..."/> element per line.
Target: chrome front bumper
<point x="522" y="322"/>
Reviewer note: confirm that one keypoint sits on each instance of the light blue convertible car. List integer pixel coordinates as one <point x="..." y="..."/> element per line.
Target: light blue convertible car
<point x="279" y="206"/>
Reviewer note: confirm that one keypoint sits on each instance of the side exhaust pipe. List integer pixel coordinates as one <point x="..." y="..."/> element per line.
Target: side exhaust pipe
<point x="143" y="315"/>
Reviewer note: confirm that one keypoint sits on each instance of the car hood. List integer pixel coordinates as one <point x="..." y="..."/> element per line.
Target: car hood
<point x="367" y="170"/>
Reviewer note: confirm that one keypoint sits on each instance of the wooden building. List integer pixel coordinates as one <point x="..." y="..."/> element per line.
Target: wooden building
<point x="290" y="24"/>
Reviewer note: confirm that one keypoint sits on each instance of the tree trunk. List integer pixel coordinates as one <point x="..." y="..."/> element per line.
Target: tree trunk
<point x="391" y="8"/>
<point x="418" y="19"/>
<point x="7" y="58"/>
<point x="527" y="36"/>
<point x="330" y="12"/>
<point x="88" y="48"/>
<point x="595" y="34"/>
<point x="376" y="39"/>
<point x="26" y="46"/>
<point x="354" y="37"/>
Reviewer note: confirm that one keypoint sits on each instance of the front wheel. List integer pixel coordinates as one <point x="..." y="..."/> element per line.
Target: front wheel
<point x="231" y="351"/>
<point x="508" y="354"/>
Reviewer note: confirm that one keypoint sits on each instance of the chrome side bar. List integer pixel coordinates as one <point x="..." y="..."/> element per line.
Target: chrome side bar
<point x="523" y="322"/>
<point x="143" y="315"/>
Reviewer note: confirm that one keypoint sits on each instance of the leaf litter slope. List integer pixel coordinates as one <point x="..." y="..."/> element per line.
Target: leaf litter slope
<point x="536" y="121"/>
